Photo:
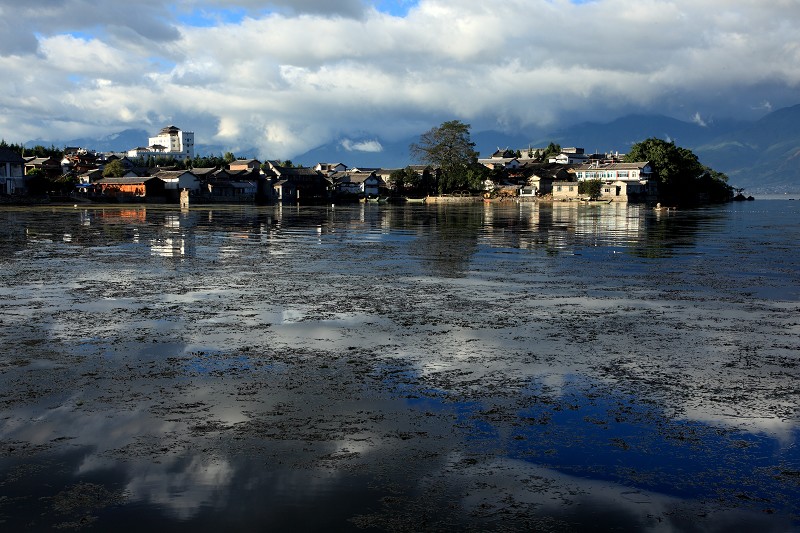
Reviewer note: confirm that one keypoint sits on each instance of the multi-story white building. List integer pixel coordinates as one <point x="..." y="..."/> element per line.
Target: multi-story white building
<point x="170" y="142"/>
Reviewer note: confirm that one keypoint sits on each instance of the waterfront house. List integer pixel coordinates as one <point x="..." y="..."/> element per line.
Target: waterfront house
<point x="178" y="180"/>
<point x="12" y="172"/>
<point x="284" y="190"/>
<point x="621" y="181"/>
<point x="614" y="171"/>
<point x="359" y="183"/>
<point x="305" y="183"/>
<point x="131" y="187"/>
<point x="233" y="191"/>
<point x="541" y="176"/>
<point x="565" y="190"/>
<point x="229" y="185"/>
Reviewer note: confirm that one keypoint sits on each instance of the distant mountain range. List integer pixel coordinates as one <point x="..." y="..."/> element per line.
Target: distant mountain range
<point x="760" y="156"/>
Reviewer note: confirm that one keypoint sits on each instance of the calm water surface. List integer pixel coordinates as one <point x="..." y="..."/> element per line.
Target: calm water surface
<point x="508" y="366"/>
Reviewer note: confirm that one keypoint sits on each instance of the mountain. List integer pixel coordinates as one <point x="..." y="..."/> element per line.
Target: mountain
<point x="620" y="134"/>
<point x="763" y="157"/>
<point x="369" y="152"/>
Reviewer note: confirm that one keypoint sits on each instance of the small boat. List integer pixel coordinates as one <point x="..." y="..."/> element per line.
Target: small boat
<point x="415" y="200"/>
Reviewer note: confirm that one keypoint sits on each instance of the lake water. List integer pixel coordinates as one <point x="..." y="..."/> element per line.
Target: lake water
<point x="552" y="367"/>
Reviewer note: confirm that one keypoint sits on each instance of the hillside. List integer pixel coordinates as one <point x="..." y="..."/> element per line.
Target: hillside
<point x="763" y="156"/>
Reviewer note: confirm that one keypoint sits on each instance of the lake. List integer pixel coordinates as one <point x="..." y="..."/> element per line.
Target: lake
<point x="552" y="367"/>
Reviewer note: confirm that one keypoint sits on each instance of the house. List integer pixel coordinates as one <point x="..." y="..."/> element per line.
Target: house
<point x="614" y="171"/>
<point x="90" y="177"/>
<point x="359" y="183"/>
<point x="12" y="172"/>
<point x="541" y="176"/>
<point x="304" y="183"/>
<point x="51" y="166"/>
<point x="131" y="187"/>
<point x="624" y="191"/>
<point x="78" y="162"/>
<point x="233" y="191"/>
<point x="330" y="168"/>
<point x="245" y="164"/>
<point x="565" y="158"/>
<point x="565" y="190"/>
<point x="621" y="181"/>
<point x="284" y="190"/>
<point x="508" y="163"/>
<point x="179" y="180"/>
<point x="204" y="174"/>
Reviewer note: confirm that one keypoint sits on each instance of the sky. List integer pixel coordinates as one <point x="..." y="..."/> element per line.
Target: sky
<point x="285" y="76"/>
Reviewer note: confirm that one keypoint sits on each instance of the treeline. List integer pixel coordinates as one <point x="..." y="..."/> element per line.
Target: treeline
<point x="37" y="151"/>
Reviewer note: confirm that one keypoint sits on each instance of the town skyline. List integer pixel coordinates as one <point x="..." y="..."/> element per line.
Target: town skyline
<point x="284" y="77"/>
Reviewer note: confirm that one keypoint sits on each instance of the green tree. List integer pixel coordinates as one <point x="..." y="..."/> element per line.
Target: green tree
<point x="447" y="147"/>
<point x="680" y="175"/>
<point x="228" y="158"/>
<point x="553" y="149"/>
<point x="591" y="188"/>
<point x="404" y="178"/>
<point x="114" y="169"/>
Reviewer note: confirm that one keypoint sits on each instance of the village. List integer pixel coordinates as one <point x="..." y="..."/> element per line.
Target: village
<point x="530" y="174"/>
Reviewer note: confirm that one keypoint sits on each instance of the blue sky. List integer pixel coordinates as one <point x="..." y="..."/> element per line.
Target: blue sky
<point x="285" y="76"/>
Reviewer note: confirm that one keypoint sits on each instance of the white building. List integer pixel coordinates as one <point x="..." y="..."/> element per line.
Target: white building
<point x="170" y="142"/>
<point x="614" y="171"/>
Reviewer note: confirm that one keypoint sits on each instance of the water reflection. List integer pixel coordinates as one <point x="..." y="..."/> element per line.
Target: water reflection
<point x="561" y="226"/>
<point x="407" y="367"/>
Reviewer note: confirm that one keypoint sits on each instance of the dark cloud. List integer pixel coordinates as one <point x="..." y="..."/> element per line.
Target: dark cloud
<point x="23" y="21"/>
<point x="343" y="8"/>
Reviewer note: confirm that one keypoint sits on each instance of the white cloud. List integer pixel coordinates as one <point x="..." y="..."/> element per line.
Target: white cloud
<point x="287" y="76"/>
<point x="697" y="119"/>
<point x="362" y="146"/>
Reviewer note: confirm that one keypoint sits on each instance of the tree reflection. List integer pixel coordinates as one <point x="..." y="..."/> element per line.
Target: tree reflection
<point x="450" y="239"/>
<point x="668" y="231"/>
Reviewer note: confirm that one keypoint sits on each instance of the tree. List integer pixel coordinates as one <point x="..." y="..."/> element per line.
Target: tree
<point x="591" y="188"/>
<point x="553" y="149"/>
<point x="447" y="147"/>
<point x="681" y="176"/>
<point x="404" y="178"/>
<point x="114" y="169"/>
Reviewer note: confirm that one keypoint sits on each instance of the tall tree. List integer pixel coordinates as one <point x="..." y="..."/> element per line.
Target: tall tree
<point x="449" y="148"/>
<point x="680" y="174"/>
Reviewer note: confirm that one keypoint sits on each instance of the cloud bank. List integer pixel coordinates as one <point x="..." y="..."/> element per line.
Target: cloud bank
<point x="285" y="76"/>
